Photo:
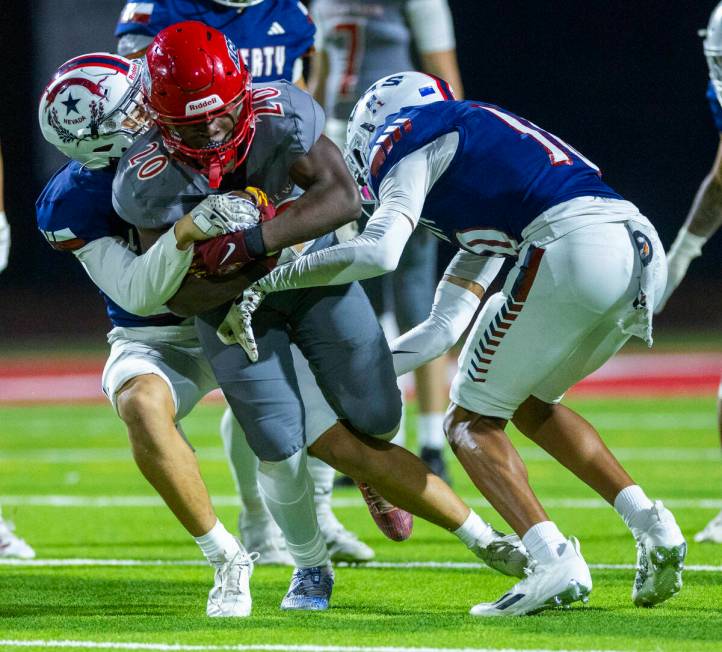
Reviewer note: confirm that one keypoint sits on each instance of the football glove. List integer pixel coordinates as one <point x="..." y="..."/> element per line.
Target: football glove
<point x="237" y="327"/>
<point x="219" y="214"/>
<point x="228" y="253"/>
<point x="4" y="241"/>
<point x="685" y="248"/>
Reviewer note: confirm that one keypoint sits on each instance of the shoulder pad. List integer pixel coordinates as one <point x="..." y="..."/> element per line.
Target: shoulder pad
<point x="74" y="208"/>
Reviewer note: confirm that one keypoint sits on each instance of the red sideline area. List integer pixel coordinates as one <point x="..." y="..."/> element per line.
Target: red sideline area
<point x="654" y="374"/>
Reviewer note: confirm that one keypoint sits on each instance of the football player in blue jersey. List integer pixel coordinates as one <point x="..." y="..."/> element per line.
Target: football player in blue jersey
<point x="589" y="268"/>
<point x="156" y="371"/>
<point x="705" y="215"/>
<point x="11" y="545"/>
<point x="274" y="36"/>
<point x="356" y="44"/>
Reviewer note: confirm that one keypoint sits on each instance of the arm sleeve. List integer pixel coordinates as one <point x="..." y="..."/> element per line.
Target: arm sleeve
<point x="375" y="251"/>
<point x="431" y="25"/>
<point x="139" y="284"/>
<point x="454" y="308"/>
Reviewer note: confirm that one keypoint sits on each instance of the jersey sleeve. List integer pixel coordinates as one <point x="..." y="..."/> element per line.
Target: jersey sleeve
<point x="431" y="25"/>
<point x="149" y="190"/>
<point x="139" y="284"/>
<point x="71" y="214"/>
<point x="714" y="107"/>
<point x="307" y="122"/>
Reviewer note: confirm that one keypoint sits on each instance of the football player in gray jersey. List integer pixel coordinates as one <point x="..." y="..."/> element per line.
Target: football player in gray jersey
<point x="216" y="133"/>
<point x="356" y="44"/>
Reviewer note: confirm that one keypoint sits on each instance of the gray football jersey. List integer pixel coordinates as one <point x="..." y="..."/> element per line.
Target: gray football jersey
<point x="364" y="42"/>
<point x="151" y="190"/>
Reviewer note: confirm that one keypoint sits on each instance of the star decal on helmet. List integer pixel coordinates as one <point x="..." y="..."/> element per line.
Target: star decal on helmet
<point x="70" y="104"/>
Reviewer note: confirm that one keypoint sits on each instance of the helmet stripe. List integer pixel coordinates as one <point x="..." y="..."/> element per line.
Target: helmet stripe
<point x="121" y="65"/>
<point x="443" y="87"/>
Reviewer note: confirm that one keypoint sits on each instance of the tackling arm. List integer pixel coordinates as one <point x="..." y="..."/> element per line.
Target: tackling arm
<point x="375" y="251"/>
<point x="139" y="284"/>
<point x="457" y="299"/>
<point x="194" y="295"/>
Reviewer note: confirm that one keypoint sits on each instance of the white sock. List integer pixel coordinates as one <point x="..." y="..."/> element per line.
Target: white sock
<point x="244" y="468"/>
<point x="543" y="541"/>
<point x="475" y="531"/>
<point x="218" y="544"/>
<point x="431" y="430"/>
<point x="630" y="501"/>
<point x="287" y="490"/>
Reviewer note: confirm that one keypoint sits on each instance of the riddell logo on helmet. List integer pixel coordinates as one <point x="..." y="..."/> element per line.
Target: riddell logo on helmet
<point x="203" y="105"/>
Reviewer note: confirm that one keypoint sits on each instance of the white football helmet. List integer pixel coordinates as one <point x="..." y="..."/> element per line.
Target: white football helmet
<point x="238" y="4"/>
<point x="713" y="49"/>
<point x="382" y="99"/>
<point x="91" y="110"/>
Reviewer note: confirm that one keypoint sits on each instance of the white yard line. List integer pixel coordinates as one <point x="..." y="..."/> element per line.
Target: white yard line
<point x="449" y="565"/>
<point x="55" y="500"/>
<point x="261" y="647"/>
<point x="97" y="455"/>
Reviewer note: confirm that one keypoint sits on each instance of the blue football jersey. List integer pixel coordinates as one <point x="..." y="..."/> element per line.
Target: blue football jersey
<point x="714" y="107"/>
<point x="271" y="35"/>
<point x="505" y="173"/>
<point x="74" y="209"/>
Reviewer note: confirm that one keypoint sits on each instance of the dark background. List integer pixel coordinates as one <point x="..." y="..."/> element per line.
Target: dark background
<point x="622" y="81"/>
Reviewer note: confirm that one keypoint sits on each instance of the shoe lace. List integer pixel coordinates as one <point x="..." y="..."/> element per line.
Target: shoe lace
<point x="312" y="582"/>
<point x="375" y="500"/>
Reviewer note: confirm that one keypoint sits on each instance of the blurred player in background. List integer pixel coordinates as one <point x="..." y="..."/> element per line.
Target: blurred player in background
<point x="273" y="36"/>
<point x="10" y="544"/>
<point x="356" y="44"/>
<point x="705" y="215"/>
<point x="495" y="184"/>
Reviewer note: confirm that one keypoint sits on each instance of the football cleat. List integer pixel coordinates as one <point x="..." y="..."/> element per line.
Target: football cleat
<point x="264" y="537"/>
<point x="505" y="554"/>
<point x="231" y="592"/>
<point x="394" y="522"/>
<point x="434" y="459"/>
<point x="342" y="544"/>
<point x="310" y="589"/>
<point x="712" y="532"/>
<point x="552" y="584"/>
<point x="12" y="545"/>
<point x="661" y="550"/>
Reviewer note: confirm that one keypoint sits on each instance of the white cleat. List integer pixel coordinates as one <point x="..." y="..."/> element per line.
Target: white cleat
<point x="505" y="554"/>
<point x="547" y="585"/>
<point x="230" y="596"/>
<point x="661" y="550"/>
<point x="11" y="545"/>
<point x="265" y="537"/>
<point x="343" y="545"/>
<point x="712" y="532"/>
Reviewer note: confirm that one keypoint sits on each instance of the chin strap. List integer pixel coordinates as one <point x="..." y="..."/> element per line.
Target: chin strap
<point x="215" y="173"/>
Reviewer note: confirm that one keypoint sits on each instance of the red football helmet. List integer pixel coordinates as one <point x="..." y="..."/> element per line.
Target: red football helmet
<point x="199" y="94"/>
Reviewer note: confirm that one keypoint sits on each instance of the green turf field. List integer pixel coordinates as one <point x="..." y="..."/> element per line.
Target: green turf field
<point x="78" y="457"/>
